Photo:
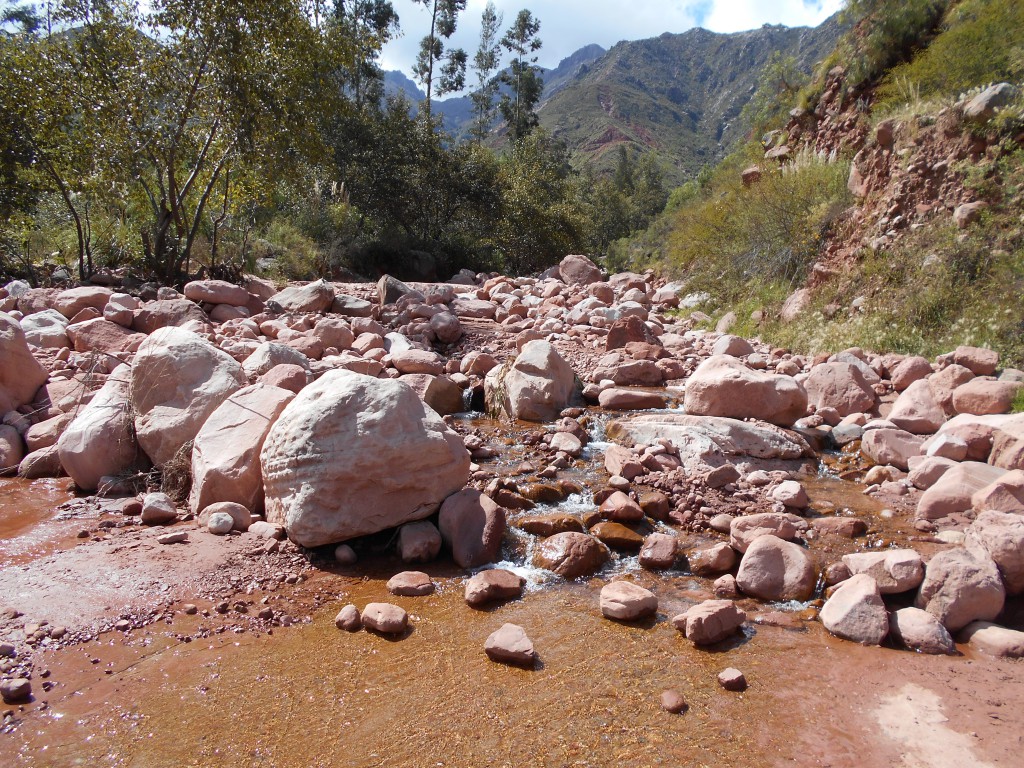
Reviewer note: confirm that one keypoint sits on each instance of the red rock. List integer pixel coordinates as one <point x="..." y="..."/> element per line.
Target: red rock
<point x="841" y="386"/>
<point x="549" y="525"/>
<point x="418" y="542"/>
<point x="984" y="396"/>
<point x="20" y="375"/>
<point x="980" y="361"/>
<point x="621" y="508"/>
<point x="348" y="619"/>
<point x="537" y="386"/>
<point x="891" y="446"/>
<point x="855" y="611"/>
<point x="625" y="601"/>
<point x="628" y="330"/>
<point x="908" y="371"/>
<point x="960" y="587"/>
<point x="919" y="631"/>
<point x="917" y="411"/>
<point x="713" y="560"/>
<point x="353" y="455"/>
<point x="710" y="622"/>
<point x="418" y="361"/>
<point x="472" y="525"/>
<point x="168" y="312"/>
<point x="623" y="462"/>
<point x="847" y="527"/>
<point x="510" y="645"/>
<point x="1006" y="494"/>
<point x="312" y="297"/>
<point x="745" y="530"/>
<point x="946" y="381"/>
<point x="630" y="399"/>
<point x="579" y="270"/>
<point x="791" y="494"/>
<point x="732" y="679"/>
<point x="724" y="386"/>
<point x="286" y="376"/>
<point x="617" y="536"/>
<point x="953" y="491"/>
<point x="658" y="551"/>
<point x="226" y="450"/>
<point x="241" y="516"/>
<point x="410" y="584"/>
<point x="385" y="618"/>
<point x="571" y="554"/>
<point x="773" y="569"/>
<point x="492" y="586"/>
<point x="72" y="301"/>
<point x="892" y="570"/>
<point x="993" y="639"/>
<point x="673" y="702"/>
<point x="1000" y="535"/>
<point x="216" y="292"/>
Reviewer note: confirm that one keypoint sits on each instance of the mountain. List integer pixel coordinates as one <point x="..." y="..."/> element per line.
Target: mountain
<point x="679" y="95"/>
<point x="457" y="111"/>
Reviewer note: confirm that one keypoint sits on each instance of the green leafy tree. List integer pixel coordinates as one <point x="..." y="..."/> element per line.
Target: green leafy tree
<point x="452" y="73"/>
<point x="542" y="212"/>
<point x="485" y="63"/>
<point x="523" y="78"/>
<point x="368" y="25"/>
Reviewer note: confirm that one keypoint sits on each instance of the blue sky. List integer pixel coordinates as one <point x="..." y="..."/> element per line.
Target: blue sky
<point x="567" y="25"/>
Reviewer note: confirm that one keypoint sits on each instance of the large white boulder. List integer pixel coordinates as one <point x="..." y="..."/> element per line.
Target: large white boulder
<point x="46" y="329"/>
<point x="20" y="374"/>
<point x="353" y="455"/>
<point x="100" y="440"/>
<point x="535" y="387"/>
<point x="226" y="454"/>
<point x="725" y="386"/>
<point x="178" y="380"/>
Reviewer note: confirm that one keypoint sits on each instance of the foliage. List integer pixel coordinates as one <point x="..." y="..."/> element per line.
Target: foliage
<point x="451" y="77"/>
<point x="542" y="217"/>
<point x="523" y="78"/>
<point x="885" y="33"/>
<point x="368" y="25"/>
<point x="778" y="86"/>
<point x="981" y="41"/>
<point x="769" y="232"/>
<point x="485" y="63"/>
<point x="166" y="112"/>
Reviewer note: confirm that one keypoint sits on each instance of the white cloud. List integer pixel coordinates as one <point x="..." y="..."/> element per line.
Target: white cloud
<point x="568" y="25"/>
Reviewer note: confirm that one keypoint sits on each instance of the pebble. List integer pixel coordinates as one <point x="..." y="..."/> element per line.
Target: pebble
<point x="348" y="619"/>
<point x="15" y="691"/>
<point x="673" y="701"/>
<point x="190" y="609"/>
<point x="732" y="680"/>
<point x="179" y="537"/>
<point x="345" y="555"/>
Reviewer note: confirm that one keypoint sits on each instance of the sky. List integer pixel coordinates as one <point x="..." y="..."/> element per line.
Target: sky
<point x="568" y="25"/>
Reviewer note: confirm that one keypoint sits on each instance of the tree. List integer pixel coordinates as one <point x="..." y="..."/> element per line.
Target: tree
<point x="485" y="63"/>
<point x="542" y="215"/>
<point x="368" y="25"/>
<point x="166" y="109"/>
<point x="452" y="75"/>
<point x="523" y="77"/>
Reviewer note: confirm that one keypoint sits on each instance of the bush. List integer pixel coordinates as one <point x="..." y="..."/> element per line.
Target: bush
<point x="769" y="232"/>
<point x="887" y="33"/>
<point x="982" y="41"/>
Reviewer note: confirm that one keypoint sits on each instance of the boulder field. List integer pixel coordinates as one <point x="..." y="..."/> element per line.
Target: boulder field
<point x="322" y="414"/>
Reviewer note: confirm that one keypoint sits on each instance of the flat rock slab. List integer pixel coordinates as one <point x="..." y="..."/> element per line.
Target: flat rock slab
<point x="492" y="586"/>
<point x="625" y="601"/>
<point x="410" y="584"/>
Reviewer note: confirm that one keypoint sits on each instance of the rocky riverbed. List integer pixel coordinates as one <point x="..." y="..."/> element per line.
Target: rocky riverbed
<point x="506" y="516"/>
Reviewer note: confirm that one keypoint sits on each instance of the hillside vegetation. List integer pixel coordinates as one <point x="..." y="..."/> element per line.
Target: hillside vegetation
<point x="880" y="212"/>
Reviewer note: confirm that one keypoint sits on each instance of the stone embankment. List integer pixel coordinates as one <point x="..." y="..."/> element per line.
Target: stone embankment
<point x="321" y="415"/>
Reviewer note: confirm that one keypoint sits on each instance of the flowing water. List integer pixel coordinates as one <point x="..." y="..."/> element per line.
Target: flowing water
<point x="315" y="696"/>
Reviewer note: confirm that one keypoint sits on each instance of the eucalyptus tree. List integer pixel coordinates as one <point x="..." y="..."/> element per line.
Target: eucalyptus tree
<point x="368" y="25"/>
<point x="523" y="76"/>
<point x="450" y="74"/>
<point x="485" y="64"/>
